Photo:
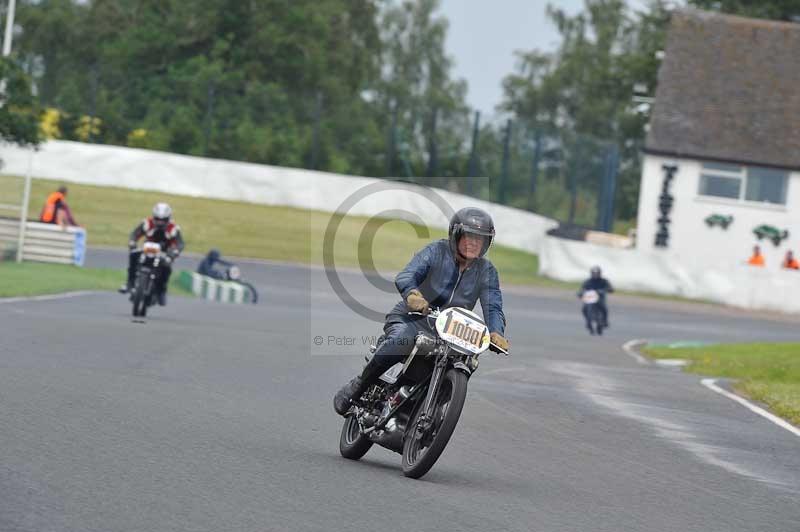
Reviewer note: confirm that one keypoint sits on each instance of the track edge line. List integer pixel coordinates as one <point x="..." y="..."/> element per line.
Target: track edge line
<point x="48" y="297"/>
<point x="711" y="384"/>
<point x="631" y="348"/>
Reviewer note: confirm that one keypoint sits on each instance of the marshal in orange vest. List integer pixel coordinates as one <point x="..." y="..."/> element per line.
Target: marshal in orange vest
<point x="56" y="210"/>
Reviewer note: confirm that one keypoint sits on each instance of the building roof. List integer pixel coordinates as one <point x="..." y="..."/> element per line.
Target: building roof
<point x="729" y="90"/>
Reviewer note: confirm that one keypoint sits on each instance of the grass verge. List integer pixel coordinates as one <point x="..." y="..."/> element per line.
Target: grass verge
<point x="30" y="279"/>
<point x="259" y="231"/>
<point x="33" y="279"/>
<point x="765" y="372"/>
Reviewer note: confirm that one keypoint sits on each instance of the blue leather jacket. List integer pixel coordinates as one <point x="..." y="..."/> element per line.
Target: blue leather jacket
<point x="434" y="272"/>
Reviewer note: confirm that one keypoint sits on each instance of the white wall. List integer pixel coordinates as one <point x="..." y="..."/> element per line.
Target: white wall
<point x="691" y="241"/>
<point x="737" y="285"/>
<point x="646" y="271"/>
<point x="270" y="185"/>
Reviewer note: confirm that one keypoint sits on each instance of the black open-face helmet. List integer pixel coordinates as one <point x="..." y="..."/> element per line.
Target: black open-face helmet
<point x="471" y="220"/>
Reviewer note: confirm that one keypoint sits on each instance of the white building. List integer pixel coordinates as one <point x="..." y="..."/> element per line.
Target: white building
<point x="727" y="118"/>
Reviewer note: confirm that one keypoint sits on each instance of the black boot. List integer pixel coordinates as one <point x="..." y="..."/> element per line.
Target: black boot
<point x="161" y="294"/>
<point x="351" y="390"/>
<point x="128" y="286"/>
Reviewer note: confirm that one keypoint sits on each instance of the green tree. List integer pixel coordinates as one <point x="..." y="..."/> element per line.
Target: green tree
<point x="431" y="109"/>
<point x="579" y="99"/>
<point x="287" y="82"/>
<point x="200" y="79"/>
<point x="51" y="47"/>
<point x="19" y="111"/>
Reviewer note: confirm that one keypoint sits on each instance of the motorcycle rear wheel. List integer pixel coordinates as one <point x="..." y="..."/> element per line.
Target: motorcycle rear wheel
<point x="418" y="458"/>
<point x="352" y="444"/>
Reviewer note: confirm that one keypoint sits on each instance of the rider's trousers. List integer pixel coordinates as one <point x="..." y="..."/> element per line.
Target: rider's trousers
<point x="400" y="331"/>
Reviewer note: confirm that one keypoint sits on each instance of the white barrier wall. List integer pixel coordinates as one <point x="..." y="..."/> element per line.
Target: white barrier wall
<point x="735" y="284"/>
<point x="96" y="164"/>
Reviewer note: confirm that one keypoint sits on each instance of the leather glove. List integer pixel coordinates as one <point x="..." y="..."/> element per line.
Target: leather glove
<point x="168" y="259"/>
<point x="416" y="303"/>
<point x="498" y="340"/>
<point x="131" y="245"/>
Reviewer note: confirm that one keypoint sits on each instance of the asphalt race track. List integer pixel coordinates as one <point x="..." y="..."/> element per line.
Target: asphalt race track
<point x="218" y="418"/>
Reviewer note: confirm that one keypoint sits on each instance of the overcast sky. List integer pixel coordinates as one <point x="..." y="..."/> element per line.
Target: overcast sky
<point x="484" y="34"/>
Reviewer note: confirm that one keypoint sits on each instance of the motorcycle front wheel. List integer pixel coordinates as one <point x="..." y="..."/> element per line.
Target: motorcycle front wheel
<point x="420" y="451"/>
<point x="352" y="444"/>
<point x="140" y="296"/>
<point x="252" y="290"/>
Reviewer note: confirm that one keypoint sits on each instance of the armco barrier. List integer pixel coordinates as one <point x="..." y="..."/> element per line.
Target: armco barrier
<point x="269" y="185"/>
<point x="737" y="285"/>
<point x="213" y="289"/>
<point x="44" y="242"/>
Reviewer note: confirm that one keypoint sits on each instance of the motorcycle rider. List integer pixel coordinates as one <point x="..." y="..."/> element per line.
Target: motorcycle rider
<point x="601" y="285"/>
<point x="213" y="266"/>
<point x="161" y="229"/>
<point x="450" y="272"/>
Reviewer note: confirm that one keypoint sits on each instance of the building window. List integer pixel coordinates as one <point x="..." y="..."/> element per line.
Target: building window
<point x="766" y="185"/>
<point x="762" y="185"/>
<point x="721" y="180"/>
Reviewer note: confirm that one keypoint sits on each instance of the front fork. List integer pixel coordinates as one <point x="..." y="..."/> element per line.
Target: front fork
<point x="426" y="418"/>
<point x="146" y="282"/>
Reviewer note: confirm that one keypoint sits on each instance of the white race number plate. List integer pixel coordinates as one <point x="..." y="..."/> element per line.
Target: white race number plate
<point x="463" y="329"/>
<point x="590" y="297"/>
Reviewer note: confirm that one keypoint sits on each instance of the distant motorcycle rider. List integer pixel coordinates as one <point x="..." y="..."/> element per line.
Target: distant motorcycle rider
<point x="450" y="272"/>
<point x="214" y="266"/>
<point x="600" y="285"/>
<point x="158" y="228"/>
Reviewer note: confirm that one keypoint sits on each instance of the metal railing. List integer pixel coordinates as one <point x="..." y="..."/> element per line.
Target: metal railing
<point x="44" y="242"/>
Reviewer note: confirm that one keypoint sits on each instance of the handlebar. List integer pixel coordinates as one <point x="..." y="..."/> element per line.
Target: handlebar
<point x="140" y="250"/>
<point x="600" y="293"/>
<point x="161" y="253"/>
<point x="162" y="256"/>
<point x="434" y="313"/>
<point x="500" y="349"/>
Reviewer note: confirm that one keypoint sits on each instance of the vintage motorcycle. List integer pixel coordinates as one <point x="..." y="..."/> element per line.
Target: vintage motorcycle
<point x="144" y="294"/>
<point x="592" y="311"/>
<point x="234" y="274"/>
<point x="415" y="407"/>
